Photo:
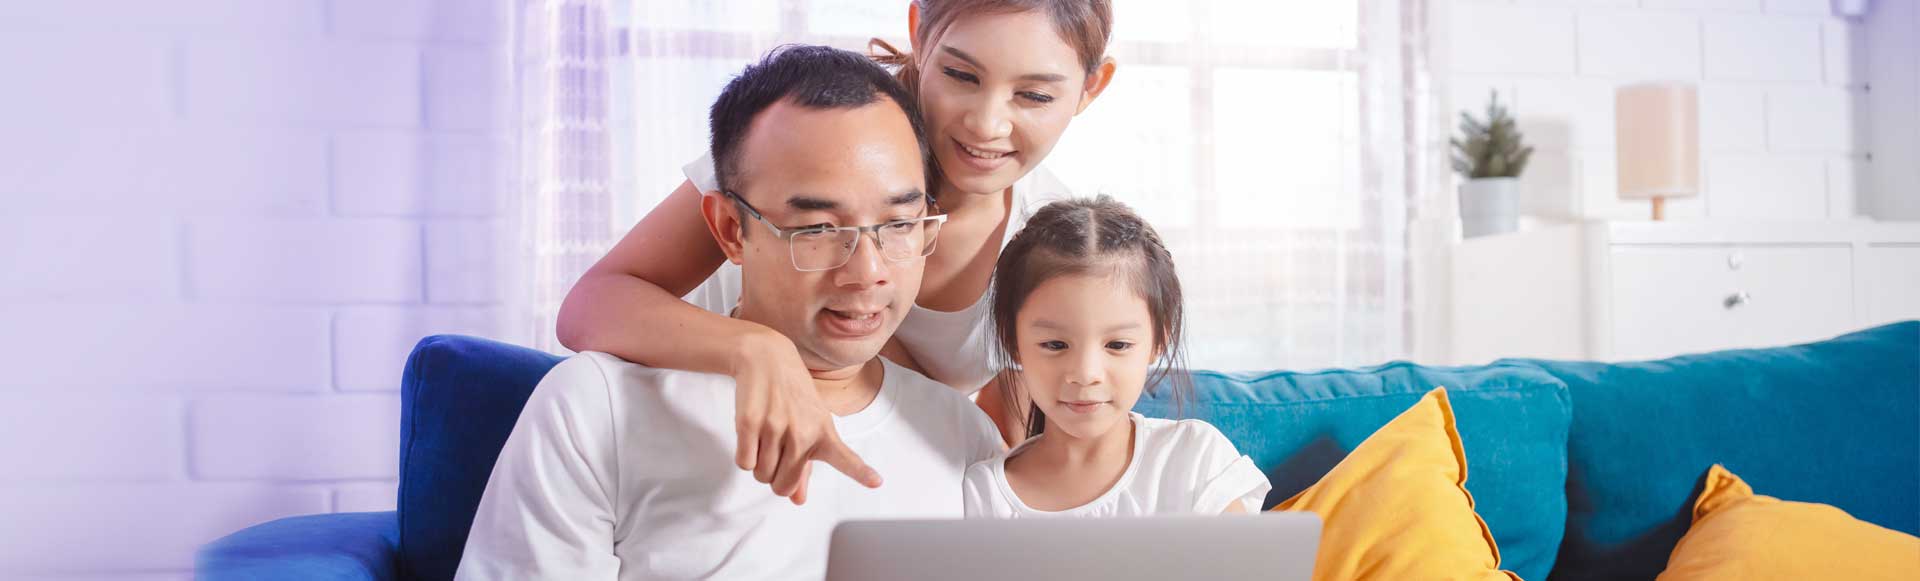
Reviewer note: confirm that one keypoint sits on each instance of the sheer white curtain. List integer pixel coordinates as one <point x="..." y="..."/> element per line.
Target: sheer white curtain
<point x="1267" y="140"/>
<point x="565" y="194"/>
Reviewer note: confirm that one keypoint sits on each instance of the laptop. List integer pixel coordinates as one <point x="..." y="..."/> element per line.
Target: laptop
<point x="1277" y="545"/>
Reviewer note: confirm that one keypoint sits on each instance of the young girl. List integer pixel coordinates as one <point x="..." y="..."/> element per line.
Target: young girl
<point x="997" y="81"/>
<point x="1085" y="300"/>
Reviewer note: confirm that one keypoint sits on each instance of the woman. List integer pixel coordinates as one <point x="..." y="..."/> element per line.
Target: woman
<point x="998" y="81"/>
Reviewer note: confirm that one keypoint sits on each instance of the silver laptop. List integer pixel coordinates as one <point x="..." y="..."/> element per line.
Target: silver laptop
<point x="1276" y="546"/>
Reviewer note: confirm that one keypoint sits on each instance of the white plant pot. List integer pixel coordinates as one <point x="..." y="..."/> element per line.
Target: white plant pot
<point x="1489" y="206"/>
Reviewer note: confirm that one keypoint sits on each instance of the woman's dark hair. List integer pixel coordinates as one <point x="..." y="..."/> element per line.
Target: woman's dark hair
<point x="1080" y="237"/>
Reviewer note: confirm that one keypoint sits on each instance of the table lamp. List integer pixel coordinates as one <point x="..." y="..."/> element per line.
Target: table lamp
<point x="1657" y="132"/>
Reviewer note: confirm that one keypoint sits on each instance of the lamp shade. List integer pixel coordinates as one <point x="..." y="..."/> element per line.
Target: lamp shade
<point x="1657" y="129"/>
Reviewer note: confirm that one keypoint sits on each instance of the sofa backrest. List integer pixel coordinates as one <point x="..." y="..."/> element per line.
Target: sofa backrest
<point x="1512" y="421"/>
<point x="1835" y="422"/>
<point x="461" y="396"/>
<point x="459" y="399"/>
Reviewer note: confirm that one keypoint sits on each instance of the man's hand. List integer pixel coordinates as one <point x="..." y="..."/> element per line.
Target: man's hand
<point x="782" y="424"/>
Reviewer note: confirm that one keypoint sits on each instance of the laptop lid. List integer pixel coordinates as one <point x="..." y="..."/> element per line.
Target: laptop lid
<point x="1277" y="546"/>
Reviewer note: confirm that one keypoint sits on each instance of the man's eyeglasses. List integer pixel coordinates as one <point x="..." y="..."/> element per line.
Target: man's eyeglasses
<point x="830" y="247"/>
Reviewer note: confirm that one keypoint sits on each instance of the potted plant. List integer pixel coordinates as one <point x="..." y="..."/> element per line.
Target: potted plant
<point x="1490" y="156"/>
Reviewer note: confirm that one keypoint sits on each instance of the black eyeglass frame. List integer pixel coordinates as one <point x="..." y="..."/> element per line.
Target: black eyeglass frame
<point x="873" y="231"/>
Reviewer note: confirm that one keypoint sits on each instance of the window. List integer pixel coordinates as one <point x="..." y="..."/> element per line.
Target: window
<point x="1266" y="140"/>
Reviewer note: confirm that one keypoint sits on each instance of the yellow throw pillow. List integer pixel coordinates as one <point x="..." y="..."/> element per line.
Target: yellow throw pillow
<point x="1398" y="508"/>
<point x="1739" y="535"/>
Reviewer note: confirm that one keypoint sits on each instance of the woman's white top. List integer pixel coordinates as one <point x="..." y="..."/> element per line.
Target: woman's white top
<point x="952" y="347"/>
<point x="1178" y="467"/>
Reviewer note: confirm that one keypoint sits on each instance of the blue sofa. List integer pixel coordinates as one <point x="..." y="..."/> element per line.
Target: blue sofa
<point x="1582" y="470"/>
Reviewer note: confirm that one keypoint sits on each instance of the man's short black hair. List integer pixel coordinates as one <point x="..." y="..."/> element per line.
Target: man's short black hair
<point x="815" y="77"/>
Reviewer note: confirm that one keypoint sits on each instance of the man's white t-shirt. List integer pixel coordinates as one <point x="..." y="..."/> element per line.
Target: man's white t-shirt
<point x="1178" y="467"/>
<point x="621" y="471"/>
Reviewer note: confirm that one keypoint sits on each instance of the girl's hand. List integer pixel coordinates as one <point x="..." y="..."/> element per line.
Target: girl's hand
<point x="781" y="422"/>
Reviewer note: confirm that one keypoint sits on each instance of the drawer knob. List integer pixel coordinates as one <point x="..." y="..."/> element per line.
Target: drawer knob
<point x="1737" y="299"/>
<point x="1735" y="260"/>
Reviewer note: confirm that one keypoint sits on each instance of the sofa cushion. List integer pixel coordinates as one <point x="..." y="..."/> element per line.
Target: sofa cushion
<point x="343" y="546"/>
<point x="459" y="399"/>
<point x="1296" y="426"/>
<point x="1398" y="508"/>
<point x="1741" y="536"/>
<point x="1831" y="422"/>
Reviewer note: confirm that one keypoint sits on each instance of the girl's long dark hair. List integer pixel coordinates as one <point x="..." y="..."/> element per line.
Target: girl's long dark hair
<point x="1098" y="236"/>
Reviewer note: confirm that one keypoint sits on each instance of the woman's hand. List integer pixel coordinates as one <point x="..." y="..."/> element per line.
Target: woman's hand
<point x="782" y="424"/>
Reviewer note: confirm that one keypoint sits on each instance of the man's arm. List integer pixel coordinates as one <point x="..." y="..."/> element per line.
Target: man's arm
<point x="548" y="511"/>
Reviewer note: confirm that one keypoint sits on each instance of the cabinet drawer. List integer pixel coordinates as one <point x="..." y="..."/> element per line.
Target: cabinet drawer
<point x="1891" y="276"/>
<point x="1794" y="295"/>
<point x="1672" y="300"/>
<point x="1665" y="301"/>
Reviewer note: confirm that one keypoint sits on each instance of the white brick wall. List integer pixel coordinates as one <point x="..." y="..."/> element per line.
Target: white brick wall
<point x="1760" y="187"/>
<point x="56" y="345"/>
<point x="371" y="343"/>
<point x="147" y="527"/>
<point x="328" y="260"/>
<point x="1782" y="92"/>
<point x="1732" y="117"/>
<point x="103" y="436"/>
<point x="372" y="497"/>
<point x="1704" y="5"/>
<point x="1894" y="106"/>
<point x="460" y="269"/>
<point x="410" y="173"/>
<point x="94" y="170"/>
<point x="119" y="79"/>
<point x="336" y="83"/>
<point x="1545" y="31"/>
<point x="1812" y="119"/>
<point x="465" y="88"/>
<point x="1639" y="43"/>
<point x="465" y="22"/>
<point x="1844" y="52"/>
<point x="226" y="222"/>
<point x="295" y="437"/>
<point x="144" y="249"/>
<point x="1767" y="47"/>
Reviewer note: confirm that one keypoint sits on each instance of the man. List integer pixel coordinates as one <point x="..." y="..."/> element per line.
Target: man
<point x="616" y="470"/>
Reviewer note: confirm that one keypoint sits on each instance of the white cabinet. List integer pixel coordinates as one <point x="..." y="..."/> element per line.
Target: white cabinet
<point x="1891" y="290"/>
<point x="1793" y="295"/>
<point x="1682" y="318"/>
<point x="1640" y="290"/>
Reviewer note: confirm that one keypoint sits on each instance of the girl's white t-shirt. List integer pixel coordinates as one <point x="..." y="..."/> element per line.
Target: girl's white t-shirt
<point x="1178" y="467"/>
<point x="952" y="347"/>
